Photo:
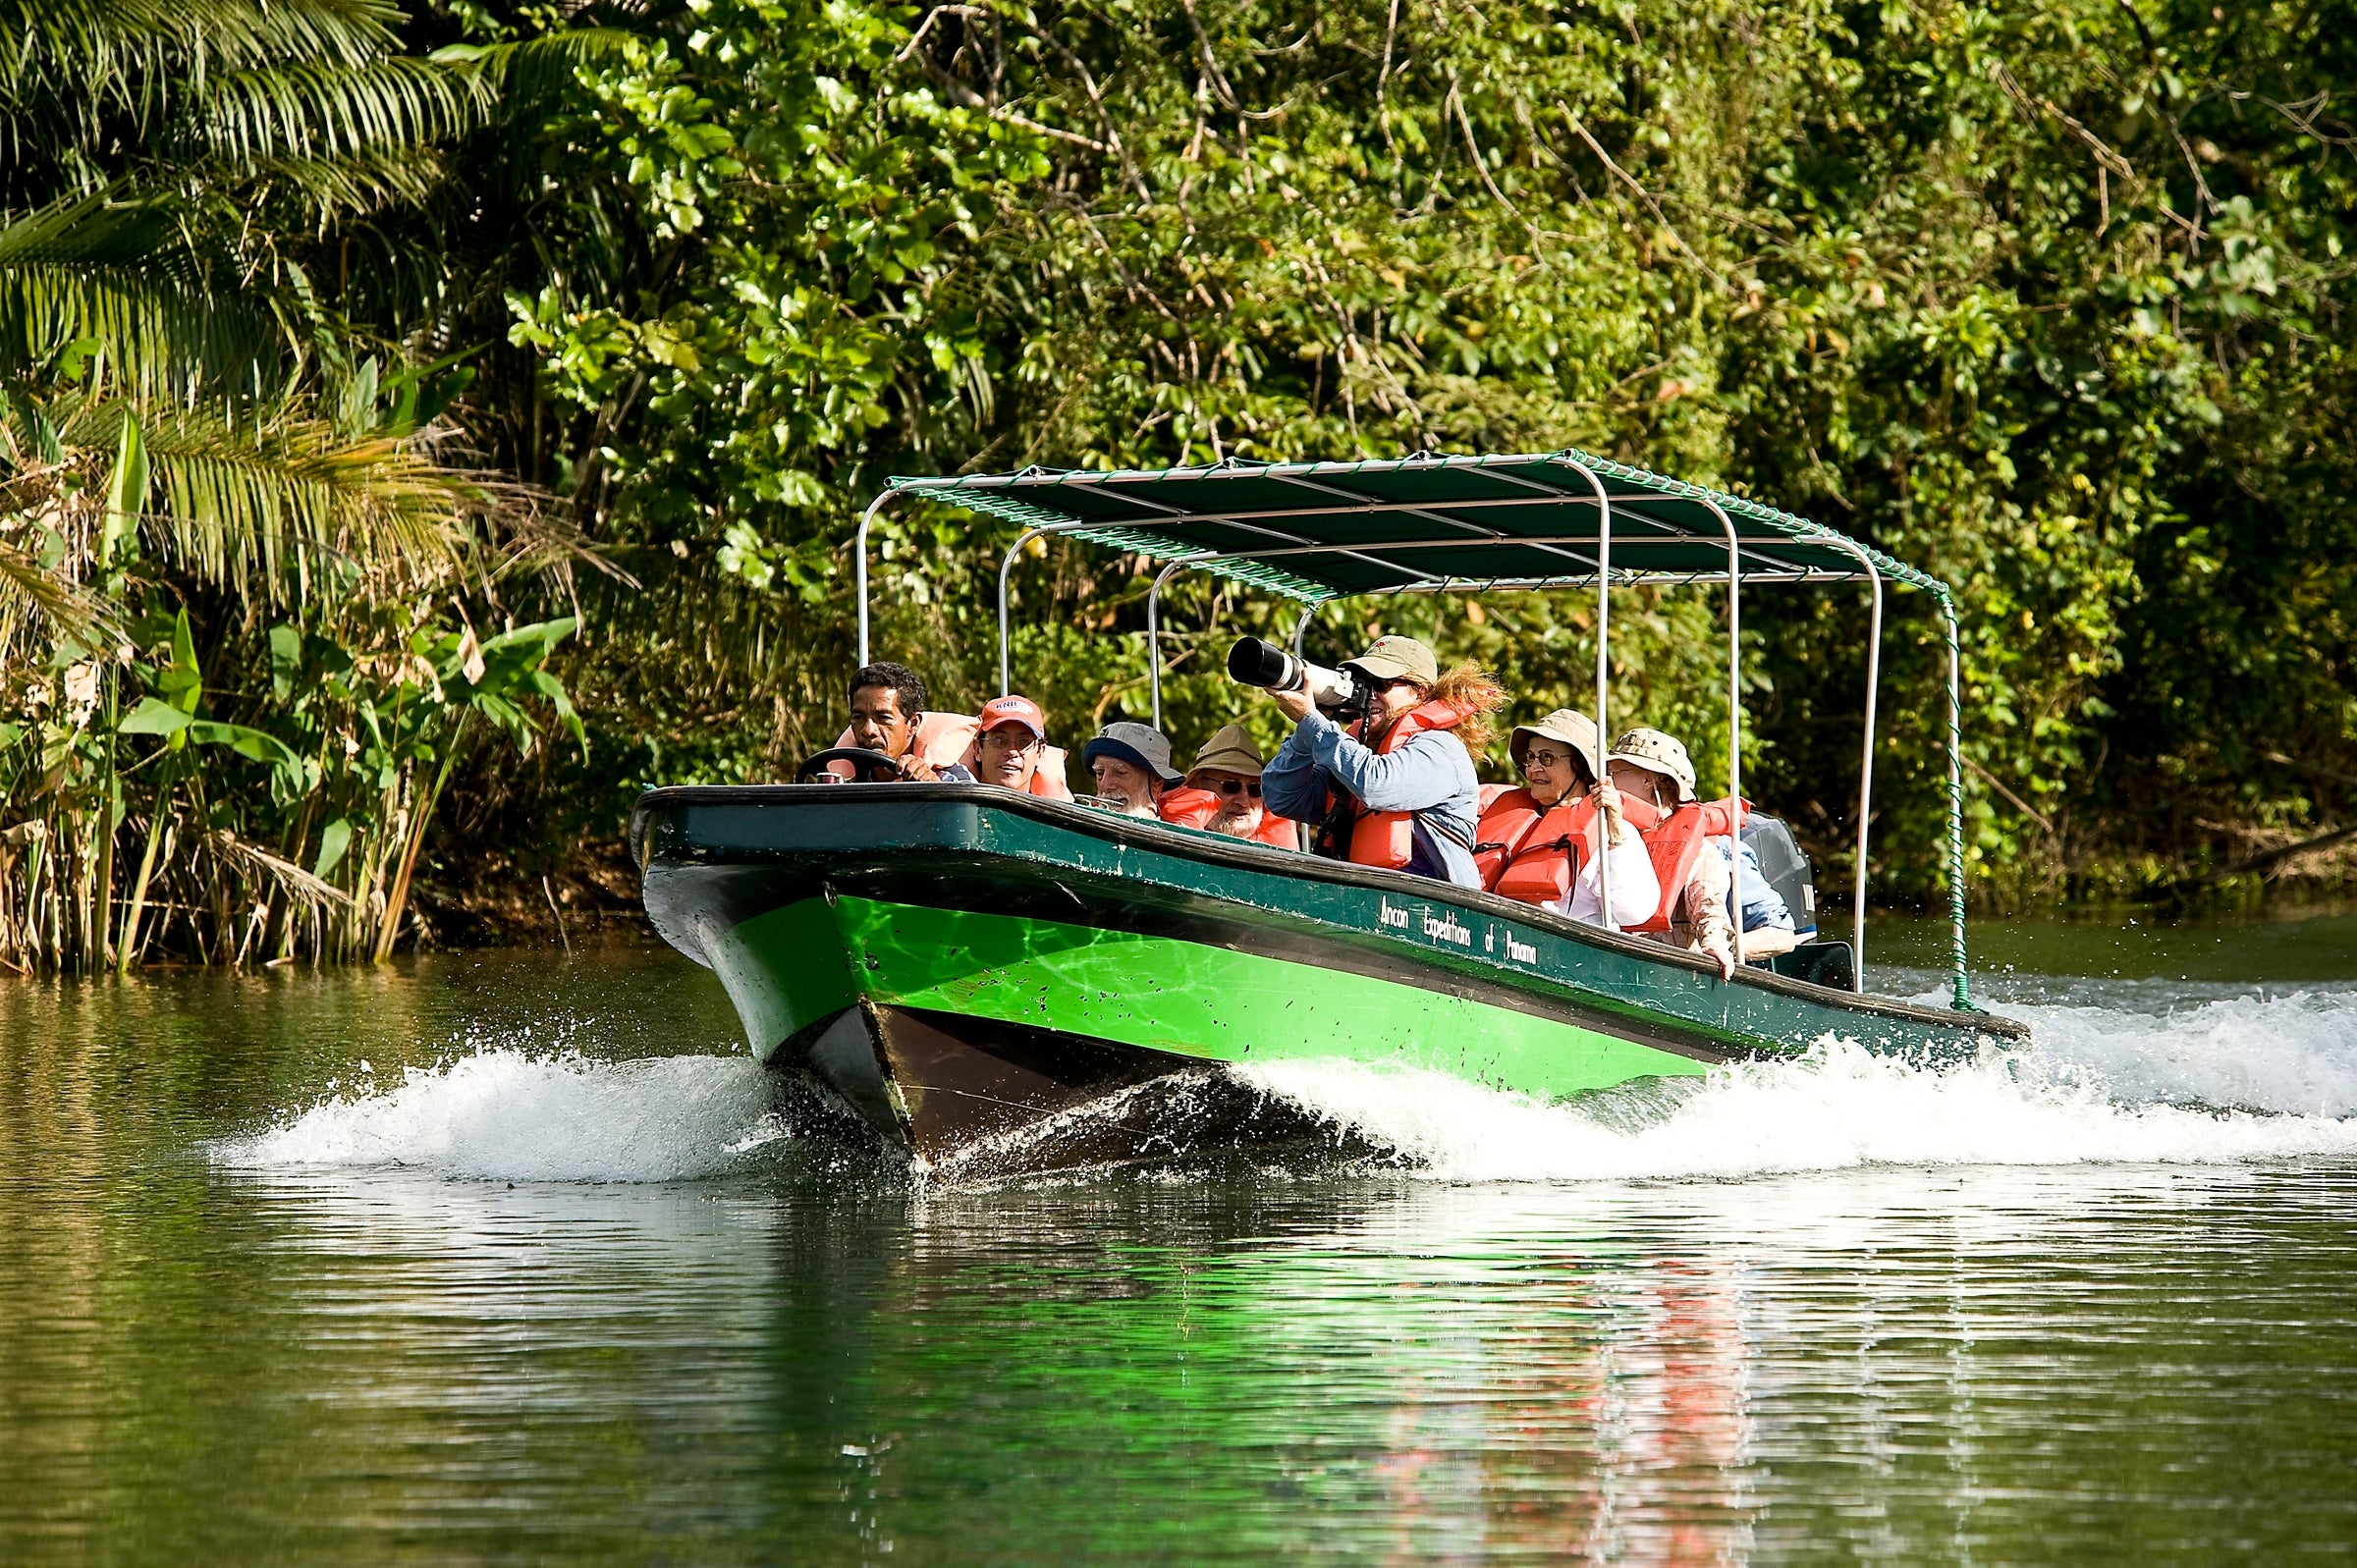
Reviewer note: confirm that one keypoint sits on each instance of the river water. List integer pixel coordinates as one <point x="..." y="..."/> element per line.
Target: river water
<point x="505" y="1257"/>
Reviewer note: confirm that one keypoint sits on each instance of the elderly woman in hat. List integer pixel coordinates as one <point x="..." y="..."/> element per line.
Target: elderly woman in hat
<point x="1539" y="844"/>
<point x="1659" y="773"/>
<point x="1694" y="849"/>
<point x="1222" y="793"/>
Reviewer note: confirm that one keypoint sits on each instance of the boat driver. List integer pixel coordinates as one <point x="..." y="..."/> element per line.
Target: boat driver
<point x="1396" y="788"/>
<point x="888" y="716"/>
<point x="1132" y="766"/>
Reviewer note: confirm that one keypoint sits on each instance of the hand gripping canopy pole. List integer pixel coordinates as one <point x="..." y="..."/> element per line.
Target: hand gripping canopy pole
<point x="1320" y="532"/>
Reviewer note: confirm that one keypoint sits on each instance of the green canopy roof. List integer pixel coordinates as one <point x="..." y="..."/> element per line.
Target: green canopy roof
<point x="1326" y="530"/>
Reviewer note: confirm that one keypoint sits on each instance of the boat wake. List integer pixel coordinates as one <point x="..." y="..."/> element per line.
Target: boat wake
<point x="2235" y="1079"/>
<point x="2113" y="1075"/>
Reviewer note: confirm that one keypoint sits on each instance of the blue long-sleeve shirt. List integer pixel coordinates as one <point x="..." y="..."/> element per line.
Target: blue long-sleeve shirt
<point x="1431" y="775"/>
<point x="1763" y="907"/>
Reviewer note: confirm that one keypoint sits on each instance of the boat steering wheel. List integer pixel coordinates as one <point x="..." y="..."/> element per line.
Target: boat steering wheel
<point x="868" y="767"/>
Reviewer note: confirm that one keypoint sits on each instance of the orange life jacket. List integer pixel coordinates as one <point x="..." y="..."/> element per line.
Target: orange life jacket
<point x="1508" y="815"/>
<point x="1533" y="855"/>
<point x="1389" y="837"/>
<point x="1194" y="808"/>
<point x="1675" y="840"/>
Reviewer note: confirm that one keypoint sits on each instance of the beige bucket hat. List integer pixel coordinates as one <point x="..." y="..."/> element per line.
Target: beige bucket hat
<point x="1230" y="750"/>
<point x="1391" y="658"/>
<point x="1568" y="725"/>
<point x="1659" y="753"/>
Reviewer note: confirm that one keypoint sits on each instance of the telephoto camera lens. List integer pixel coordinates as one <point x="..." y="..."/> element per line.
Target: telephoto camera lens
<point x="1254" y="663"/>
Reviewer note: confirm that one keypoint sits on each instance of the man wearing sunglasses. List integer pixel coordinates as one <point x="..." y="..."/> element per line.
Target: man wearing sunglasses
<point x="1221" y="795"/>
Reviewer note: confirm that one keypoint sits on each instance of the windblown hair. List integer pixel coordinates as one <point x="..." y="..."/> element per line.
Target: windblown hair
<point x="1471" y="692"/>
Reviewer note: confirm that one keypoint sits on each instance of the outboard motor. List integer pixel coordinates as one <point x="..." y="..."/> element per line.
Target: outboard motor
<point x="1830" y="964"/>
<point x="1787" y="869"/>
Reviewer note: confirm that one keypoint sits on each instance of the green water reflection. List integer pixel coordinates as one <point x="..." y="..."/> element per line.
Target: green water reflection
<point x="802" y="1359"/>
<point x="2130" y="943"/>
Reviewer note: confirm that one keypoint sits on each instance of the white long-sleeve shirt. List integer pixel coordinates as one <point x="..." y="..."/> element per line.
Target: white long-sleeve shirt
<point x="1637" y="891"/>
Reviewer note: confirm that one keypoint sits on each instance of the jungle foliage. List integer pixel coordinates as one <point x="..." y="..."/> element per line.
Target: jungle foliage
<point x="2048" y="300"/>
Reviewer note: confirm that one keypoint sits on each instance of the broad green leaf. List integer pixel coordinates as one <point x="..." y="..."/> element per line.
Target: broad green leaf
<point x="285" y="660"/>
<point x="154" y="718"/>
<point x="257" y="744"/>
<point x="334" y="840"/>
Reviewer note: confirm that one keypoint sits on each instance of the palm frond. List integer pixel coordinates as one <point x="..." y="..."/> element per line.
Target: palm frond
<point x="32" y="595"/>
<point x="257" y="507"/>
<point x="81" y="80"/>
<point x="374" y="180"/>
<point x="124" y="275"/>
<point x="262" y="508"/>
<point x="111" y="47"/>
<point x="260" y="865"/>
<point x="303" y="111"/>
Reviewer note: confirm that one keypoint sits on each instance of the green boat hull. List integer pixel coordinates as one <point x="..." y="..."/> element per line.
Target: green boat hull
<point x="960" y="967"/>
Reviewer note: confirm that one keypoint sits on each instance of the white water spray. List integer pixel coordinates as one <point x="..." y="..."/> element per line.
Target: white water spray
<point x="2113" y="1075"/>
<point x="2226" y="1080"/>
<point x="507" y="1114"/>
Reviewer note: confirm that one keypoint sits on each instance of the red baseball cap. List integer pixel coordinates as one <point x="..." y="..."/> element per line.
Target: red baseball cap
<point x="1000" y="712"/>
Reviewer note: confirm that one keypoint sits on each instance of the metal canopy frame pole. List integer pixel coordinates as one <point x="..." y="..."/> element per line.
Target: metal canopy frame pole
<point x="1874" y="671"/>
<point x="1603" y="668"/>
<point x="1005" y="631"/>
<point x="1734" y="723"/>
<point x="1154" y="635"/>
<point x="859" y="554"/>
<point x="1007" y="566"/>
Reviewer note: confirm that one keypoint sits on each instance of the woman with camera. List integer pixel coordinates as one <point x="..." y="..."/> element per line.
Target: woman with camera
<point x="1396" y="788"/>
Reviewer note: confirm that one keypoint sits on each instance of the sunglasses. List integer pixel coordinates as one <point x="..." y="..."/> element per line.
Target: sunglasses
<point x="1537" y="757"/>
<point x="1013" y="737"/>
<point x="1240" y="786"/>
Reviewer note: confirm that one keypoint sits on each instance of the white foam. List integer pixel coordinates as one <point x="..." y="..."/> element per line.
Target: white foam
<point x="2113" y="1075"/>
<point x="1840" y="1108"/>
<point x="515" y="1115"/>
<point x="2295" y="1053"/>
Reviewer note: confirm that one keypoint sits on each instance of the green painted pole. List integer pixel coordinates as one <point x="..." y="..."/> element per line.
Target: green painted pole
<point x="1956" y="803"/>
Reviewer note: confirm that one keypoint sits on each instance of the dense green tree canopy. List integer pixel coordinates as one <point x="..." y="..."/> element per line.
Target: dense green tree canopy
<point x="2048" y="299"/>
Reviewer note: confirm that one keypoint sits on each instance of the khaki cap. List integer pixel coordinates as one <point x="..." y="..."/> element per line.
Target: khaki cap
<point x="1567" y="725"/>
<point x="1230" y="750"/>
<point x="1657" y="752"/>
<point x="1391" y="658"/>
